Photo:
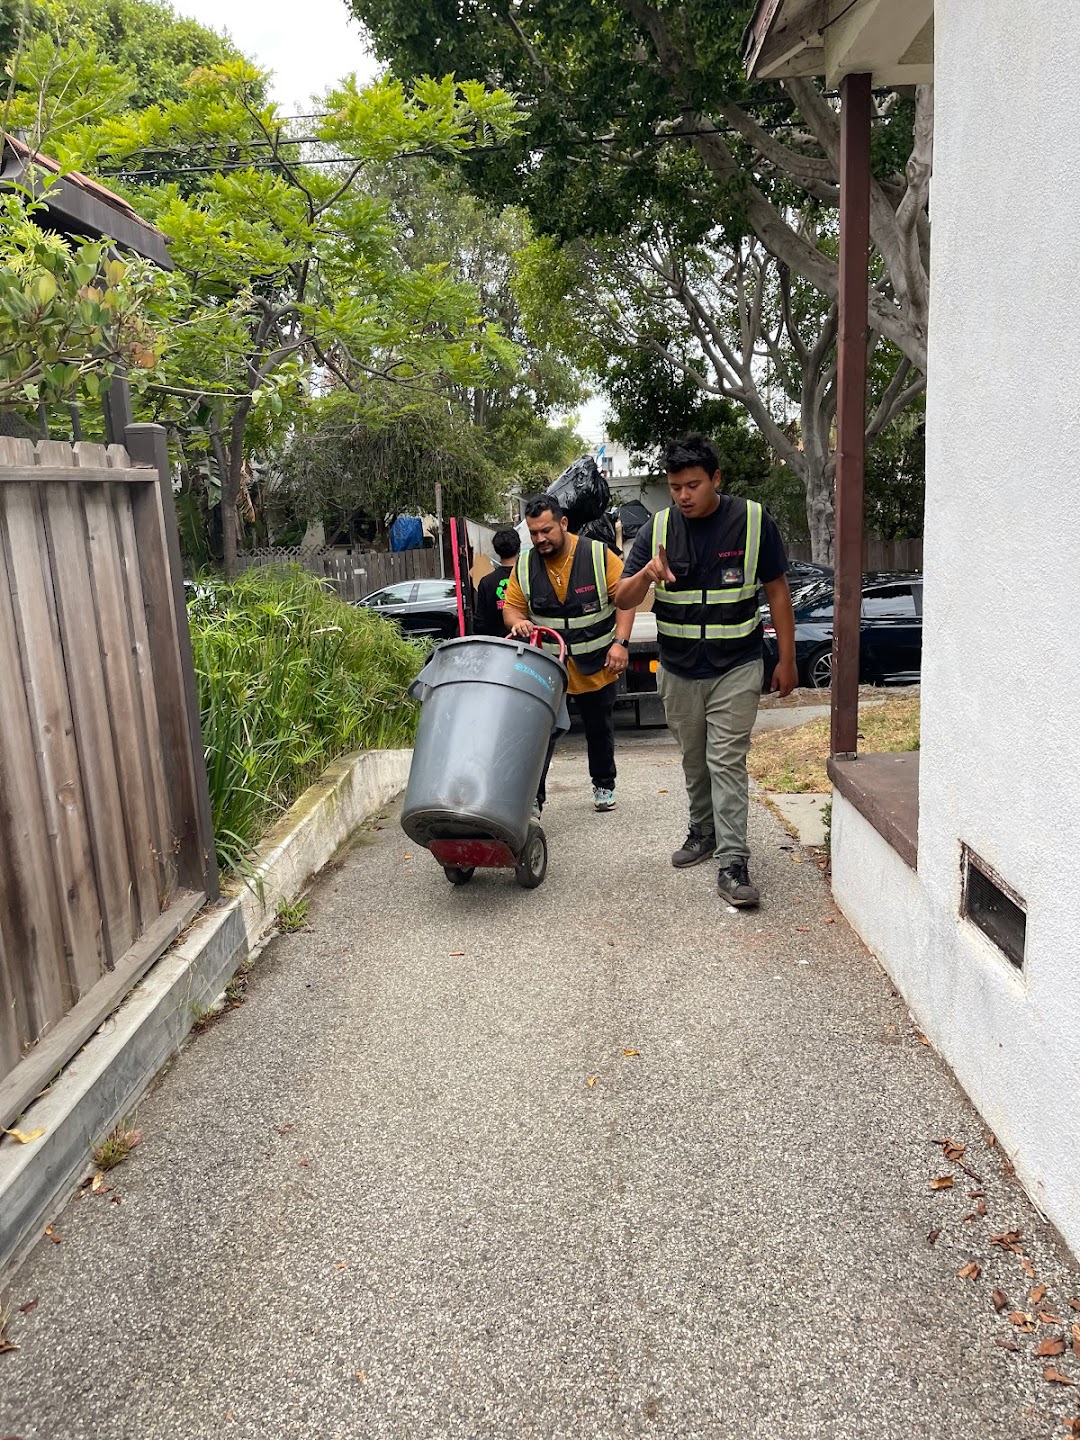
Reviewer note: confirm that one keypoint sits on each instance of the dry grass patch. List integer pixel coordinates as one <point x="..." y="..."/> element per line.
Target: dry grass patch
<point x="793" y="761"/>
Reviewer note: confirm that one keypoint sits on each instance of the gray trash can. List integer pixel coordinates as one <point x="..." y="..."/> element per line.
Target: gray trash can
<point x="489" y="707"/>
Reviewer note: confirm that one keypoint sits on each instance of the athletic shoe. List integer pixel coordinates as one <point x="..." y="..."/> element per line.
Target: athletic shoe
<point x="735" y="886"/>
<point x="603" y="798"/>
<point x="696" y="847"/>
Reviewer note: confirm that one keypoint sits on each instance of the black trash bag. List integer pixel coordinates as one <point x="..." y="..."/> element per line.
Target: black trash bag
<point x="603" y="528"/>
<point x="634" y="516"/>
<point x="582" y="491"/>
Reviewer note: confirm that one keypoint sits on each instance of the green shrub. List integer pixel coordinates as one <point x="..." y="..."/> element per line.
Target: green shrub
<point x="289" y="678"/>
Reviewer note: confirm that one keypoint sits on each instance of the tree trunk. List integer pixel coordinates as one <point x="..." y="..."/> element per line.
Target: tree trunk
<point x="232" y="474"/>
<point x="820" y="515"/>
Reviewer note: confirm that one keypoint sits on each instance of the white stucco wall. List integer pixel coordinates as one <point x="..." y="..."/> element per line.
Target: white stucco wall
<point x="1001" y="683"/>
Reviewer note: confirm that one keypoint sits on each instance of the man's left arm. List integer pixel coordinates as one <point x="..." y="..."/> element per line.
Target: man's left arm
<point x="618" y="655"/>
<point x="772" y="562"/>
<point x="786" y="675"/>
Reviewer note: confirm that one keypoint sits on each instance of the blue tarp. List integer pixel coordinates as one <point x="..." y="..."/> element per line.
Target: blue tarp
<point x="406" y="533"/>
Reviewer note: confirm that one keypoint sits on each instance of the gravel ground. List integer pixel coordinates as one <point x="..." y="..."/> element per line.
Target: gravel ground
<point x="605" y="1159"/>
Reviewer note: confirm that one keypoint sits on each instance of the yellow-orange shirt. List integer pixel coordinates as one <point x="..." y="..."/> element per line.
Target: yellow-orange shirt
<point x="559" y="574"/>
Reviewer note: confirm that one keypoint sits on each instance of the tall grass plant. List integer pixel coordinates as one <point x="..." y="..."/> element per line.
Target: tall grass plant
<point x="289" y="678"/>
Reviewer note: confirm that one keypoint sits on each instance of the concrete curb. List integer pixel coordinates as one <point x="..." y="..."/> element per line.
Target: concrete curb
<point x="109" y="1074"/>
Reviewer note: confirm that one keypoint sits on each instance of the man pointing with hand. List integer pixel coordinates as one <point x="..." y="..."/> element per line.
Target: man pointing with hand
<point x="707" y="556"/>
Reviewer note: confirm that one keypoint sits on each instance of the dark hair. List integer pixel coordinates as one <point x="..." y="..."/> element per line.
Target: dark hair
<point x="542" y="503"/>
<point x="506" y="543"/>
<point x="691" y="450"/>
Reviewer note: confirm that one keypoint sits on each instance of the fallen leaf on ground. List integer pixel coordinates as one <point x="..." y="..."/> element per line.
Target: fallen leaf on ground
<point x="661" y="792"/>
<point x="5" y="1346"/>
<point x="953" y="1148"/>
<point x="631" y="1052"/>
<point x="991" y="1140"/>
<point x="1076" y="1333"/>
<point x="970" y="1271"/>
<point x="457" y="954"/>
<point x="1027" y="1267"/>
<point x="591" y="1080"/>
<point x="1049" y="1317"/>
<point x="25" y="1136"/>
<point x="1052" y="1345"/>
<point x="931" y="1239"/>
<point x="980" y="1208"/>
<point x="976" y="1194"/>
<point x="968" y="1219"/>
<point x="1000" y="1300"/>
<point x="305" y="1163"/>
<point x="51" y="1233"/>
<point x="1056" y="1377"/>
<point x="30" y="1305"/>
<point x="921" y="1038"/>
<point x="1008" y="1240"/>
<point x="803" y="929"/>
<point x="1074" y="1304"/>
<point x="97" y="1182"/>
<point x="361" y="1375"/>
<point x="1072" y="1424"/>
<point x="943" y="1182"/>
<point x="1008" y="1345"/>
<point x="1023" y="1320"/>
<point x="1037" y="1294"/>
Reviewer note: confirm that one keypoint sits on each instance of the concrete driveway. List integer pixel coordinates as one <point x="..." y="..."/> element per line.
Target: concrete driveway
<point x="601" y="1160"/>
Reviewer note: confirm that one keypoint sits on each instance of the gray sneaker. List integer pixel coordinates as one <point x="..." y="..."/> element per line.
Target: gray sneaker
<point x="735" y="886"/>
<point x="603" y="798"/>
<point x="696" y="847"/>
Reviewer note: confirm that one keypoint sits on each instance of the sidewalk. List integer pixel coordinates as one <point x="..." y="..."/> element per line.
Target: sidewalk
<point x="383" y="1199"/>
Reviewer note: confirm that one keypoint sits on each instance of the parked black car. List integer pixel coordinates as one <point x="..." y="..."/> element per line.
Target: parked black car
<point x="802" y="572"/>
<point x="890" y="650"/>
<point x="420" y="607"/>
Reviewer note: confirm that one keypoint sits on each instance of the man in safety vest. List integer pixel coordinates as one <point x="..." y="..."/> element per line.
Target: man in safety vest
<point x="707" y="555"/>
<point x="568" y="584"/>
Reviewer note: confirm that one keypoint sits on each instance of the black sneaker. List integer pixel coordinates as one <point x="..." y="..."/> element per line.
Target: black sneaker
<point x="696" y="847"/>
<point x="734" y="885"/>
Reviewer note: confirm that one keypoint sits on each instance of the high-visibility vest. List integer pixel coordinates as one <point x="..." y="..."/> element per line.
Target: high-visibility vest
<point x="586" y="619"/>
<point x="696" y="626"/>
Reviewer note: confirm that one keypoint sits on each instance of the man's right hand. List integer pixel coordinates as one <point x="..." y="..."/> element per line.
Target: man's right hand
<point x="521" y="630"/>
<point x="658" y="569"/>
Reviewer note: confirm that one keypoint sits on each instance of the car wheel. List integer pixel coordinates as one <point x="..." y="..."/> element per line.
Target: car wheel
<point x="819" y="668"/>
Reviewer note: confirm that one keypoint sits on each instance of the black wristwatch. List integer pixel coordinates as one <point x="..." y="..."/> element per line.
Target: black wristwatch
<point x="624" y="643"/>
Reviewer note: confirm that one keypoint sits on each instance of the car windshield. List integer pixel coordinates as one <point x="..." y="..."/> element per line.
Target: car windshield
<point x="815" y="594"/>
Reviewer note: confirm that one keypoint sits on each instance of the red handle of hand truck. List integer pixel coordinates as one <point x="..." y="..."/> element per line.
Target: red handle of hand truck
<point x="538" y="630"/>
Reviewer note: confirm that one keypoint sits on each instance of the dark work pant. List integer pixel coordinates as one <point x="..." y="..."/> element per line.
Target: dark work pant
<point x="597" y="711"/>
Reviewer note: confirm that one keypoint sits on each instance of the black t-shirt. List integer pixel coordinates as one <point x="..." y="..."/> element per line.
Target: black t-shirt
<point x="710" y="562"/>
<point x="489" y="601"/>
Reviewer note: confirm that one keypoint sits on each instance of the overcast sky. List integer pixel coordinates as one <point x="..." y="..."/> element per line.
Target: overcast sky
<point x="308" y="49"/>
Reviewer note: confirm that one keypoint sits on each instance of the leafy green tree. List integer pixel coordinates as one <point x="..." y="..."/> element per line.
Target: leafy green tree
<point x="635" y="104"/>
<point x="288" y="276"/>
<point x="70" y="315"/>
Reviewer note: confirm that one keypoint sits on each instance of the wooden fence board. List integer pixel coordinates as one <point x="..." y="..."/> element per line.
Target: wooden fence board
<point x="31" y="931"/>
<point x="149" y="726"/>
<point x="123" y="704"/>
<point x="90" y="709"/>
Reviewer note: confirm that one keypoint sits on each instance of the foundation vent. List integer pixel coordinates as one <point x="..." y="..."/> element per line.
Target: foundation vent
<point x="995" y="908"/>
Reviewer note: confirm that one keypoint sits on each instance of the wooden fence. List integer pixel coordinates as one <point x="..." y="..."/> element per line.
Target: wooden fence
<point x="877" y="554"/>
<point x="106" y="849"/>
<point x="353" y="573"/>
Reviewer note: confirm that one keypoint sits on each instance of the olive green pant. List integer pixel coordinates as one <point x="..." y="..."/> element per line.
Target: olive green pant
<point x="711" y="721"/>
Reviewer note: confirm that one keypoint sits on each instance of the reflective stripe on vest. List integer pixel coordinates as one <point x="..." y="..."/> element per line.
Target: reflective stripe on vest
<point x="575" y="629"/>
<point x="711" y="625"/>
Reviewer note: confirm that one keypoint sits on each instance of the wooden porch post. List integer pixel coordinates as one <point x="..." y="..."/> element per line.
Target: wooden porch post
<point x="850" y="408"/>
